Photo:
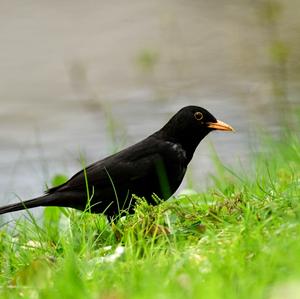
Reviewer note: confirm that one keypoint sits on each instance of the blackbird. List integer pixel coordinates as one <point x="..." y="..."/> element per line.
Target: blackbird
<point x="150" y="169"/>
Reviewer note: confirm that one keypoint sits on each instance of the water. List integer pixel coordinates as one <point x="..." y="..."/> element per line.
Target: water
<point x="76" y="80"/>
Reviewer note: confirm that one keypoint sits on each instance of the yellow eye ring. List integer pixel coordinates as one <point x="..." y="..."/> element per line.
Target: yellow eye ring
<point x="198" y="115"/>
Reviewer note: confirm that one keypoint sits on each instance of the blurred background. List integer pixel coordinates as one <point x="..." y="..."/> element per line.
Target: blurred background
<point x="87" y="78"/>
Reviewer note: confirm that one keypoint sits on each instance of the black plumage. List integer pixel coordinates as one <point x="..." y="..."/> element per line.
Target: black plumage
<point x="155" y="165"/>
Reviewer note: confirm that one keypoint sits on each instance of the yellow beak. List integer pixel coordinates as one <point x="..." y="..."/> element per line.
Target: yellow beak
<point x="219" y="125"/>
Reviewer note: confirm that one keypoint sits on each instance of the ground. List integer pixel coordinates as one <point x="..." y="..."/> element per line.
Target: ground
<point x="238" y="239"/>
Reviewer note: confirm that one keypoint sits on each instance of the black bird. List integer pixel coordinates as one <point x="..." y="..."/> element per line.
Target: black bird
<point x="153" y="166"/>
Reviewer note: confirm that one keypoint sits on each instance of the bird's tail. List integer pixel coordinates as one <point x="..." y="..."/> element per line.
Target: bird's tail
<point x="45" y="200"/>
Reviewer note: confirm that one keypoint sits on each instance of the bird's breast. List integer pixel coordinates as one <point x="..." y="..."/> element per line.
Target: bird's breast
<point x="177" y="163"/>
<point x="178" y="150"/>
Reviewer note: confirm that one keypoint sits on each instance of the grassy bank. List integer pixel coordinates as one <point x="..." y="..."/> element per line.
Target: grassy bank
<point x="240" y="239"/>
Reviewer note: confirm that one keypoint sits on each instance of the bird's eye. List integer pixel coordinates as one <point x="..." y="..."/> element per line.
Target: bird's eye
<point x="198" y="115"/>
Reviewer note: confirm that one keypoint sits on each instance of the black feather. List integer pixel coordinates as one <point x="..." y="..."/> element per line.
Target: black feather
<point x="155" y="165"/>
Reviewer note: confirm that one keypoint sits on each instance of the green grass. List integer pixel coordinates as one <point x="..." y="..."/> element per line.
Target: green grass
<point x="239" y="239"/>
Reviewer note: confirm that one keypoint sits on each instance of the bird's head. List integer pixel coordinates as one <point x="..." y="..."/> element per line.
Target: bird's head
<point x="199" y="119"/>
<point x="190" y="125"/>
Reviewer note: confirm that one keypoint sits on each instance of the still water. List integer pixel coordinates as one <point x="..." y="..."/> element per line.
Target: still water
<point x="94" y="77"/>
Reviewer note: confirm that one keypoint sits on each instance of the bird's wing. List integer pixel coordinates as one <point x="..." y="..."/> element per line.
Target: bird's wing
<point x="132" y="164"/>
